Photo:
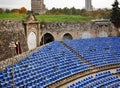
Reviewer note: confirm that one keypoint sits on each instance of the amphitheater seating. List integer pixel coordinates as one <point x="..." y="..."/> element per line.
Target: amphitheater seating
<point x="118" y="70"/>
<point x="102" y="80"/>
<point x="55" y="62"/>
<point x="50" y="64"/>
<point x="98" y="51"/>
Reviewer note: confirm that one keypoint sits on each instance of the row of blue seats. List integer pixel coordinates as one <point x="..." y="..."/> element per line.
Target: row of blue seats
<point x="49" y="65"/>
<point x="118" y="70"/>
<point x="102" y="80"/>
<point x="55" y="62"/>
<point x="103" y="50"/>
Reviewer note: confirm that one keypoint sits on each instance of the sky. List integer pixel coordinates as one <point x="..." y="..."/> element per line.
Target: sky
<point x="79" y="4"/>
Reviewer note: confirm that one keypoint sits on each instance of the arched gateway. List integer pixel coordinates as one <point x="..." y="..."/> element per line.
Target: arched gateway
<point x="46" y="38"/>
<point x="67" y="36"/>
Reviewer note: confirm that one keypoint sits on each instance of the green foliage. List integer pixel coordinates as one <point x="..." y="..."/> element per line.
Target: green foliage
<point x="99" y="13"/>
<point x="65" y="11"/>
<point x="43" y="23"/>
<point x="115" y="15"/>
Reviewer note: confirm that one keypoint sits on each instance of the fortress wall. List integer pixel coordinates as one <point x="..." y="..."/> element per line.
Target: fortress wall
<point x="82" y="30"/>
<point x="16" y="30"/>
<point x="11" y="31"/>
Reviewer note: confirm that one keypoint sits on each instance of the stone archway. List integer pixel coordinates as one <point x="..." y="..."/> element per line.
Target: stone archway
<point x="86" y="35"/>
<point x="103" y="34"/>
<point x="32" y="41"/>
<point x="67" y="36"/>
<point x="47" y="38"/>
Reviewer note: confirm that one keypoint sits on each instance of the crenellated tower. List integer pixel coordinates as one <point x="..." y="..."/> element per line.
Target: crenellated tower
<point x="38" y="6"/>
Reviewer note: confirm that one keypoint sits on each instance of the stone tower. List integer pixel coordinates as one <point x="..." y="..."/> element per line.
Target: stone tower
<point x="38" y="6"/>
<point x="88" y="5"/>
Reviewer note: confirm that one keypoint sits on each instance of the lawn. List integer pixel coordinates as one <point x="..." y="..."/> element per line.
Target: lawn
<point x="10" y="16"/>
<point x="46" y="18"/>
<point x="63" y="18"/>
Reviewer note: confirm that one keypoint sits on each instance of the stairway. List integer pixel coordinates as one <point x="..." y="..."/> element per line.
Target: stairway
<point x="78" y="55"/>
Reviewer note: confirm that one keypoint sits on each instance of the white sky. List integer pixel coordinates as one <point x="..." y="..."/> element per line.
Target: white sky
<point x="56" y="3"/>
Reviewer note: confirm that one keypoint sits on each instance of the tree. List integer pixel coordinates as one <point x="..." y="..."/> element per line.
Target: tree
<point x="23" y="10"/>
<point x="7" y="11"/>
<point x="107" y="14"/>
<point x="15" y="11"/>
<point x="115" y="14"/>
<point x="66" y="11"/>
<point x="73" y="10"/>
<point x="1" y="10"/>
<point x="83" y="12"/>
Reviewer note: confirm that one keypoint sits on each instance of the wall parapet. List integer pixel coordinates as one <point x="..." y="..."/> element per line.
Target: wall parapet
<point x="72" y="26"/>
<point x="10" y="25"/>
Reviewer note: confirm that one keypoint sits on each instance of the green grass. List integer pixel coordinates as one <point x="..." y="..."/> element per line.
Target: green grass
<point x="63" y="18"/>
<point x="46" y="18"/>
<point x="11" y="16"/>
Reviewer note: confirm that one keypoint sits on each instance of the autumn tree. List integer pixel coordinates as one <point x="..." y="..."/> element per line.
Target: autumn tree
<point x="1" y="10"/>
<point x="107" y="13"/>
<point x="15" y="11"/>
<point x="23" y="10"/>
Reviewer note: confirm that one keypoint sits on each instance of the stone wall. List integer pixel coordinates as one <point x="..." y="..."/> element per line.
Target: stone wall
<point x="11" y="31"/>
<point x="61" y="27"/>
<point x="19" y="31"/>
<point x="80" y="30"/>
<point x="70" y="26"/>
